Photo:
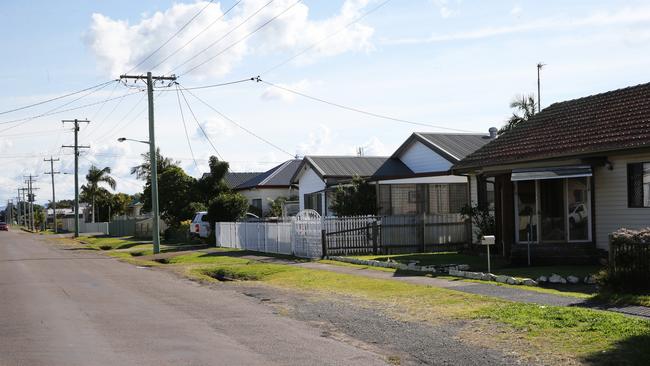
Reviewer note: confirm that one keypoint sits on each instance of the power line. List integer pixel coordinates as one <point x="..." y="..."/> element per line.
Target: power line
<point x="242" y="39"/>
<point x="195" y="36"/>
<point x="327" y="37"/>
<point x="224" y="36"/>
<point x="170" y="38"/>
<point x="235" y="123"/>
<point x="56" y="111"/>
<point x="187" y="136"/>
<point x="215" y="85"/>
<point x="55" y="98"/>
<point x="199" y="124"/>
<point x="372" y="114"/>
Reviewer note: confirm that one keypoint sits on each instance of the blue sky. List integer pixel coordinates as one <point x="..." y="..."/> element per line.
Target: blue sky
<point x="455" y="64"/>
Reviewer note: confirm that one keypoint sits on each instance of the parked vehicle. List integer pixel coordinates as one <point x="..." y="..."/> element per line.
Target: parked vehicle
<point x="200" y="226"/>
<point x="4" y="226"/>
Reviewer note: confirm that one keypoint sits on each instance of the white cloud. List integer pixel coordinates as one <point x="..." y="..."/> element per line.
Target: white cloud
<point x="272" y="93"/>
<point x="445" y="10"/>
<point x="318" y="142"/>
<point x="119" y="45"/>
<point x="516" y="11"/>
<point x="215" y="128"/>
<point x="599" y="19"/>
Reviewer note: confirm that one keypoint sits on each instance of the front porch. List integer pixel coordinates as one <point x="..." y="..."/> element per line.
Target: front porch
<point x="546" y="216"/>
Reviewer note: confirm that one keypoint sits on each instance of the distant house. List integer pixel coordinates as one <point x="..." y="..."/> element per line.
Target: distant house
<point x="569" y="176"/>
<point x="430" y="188"/>
<point x="318" y="176"/>
<point x="262" y="188"/>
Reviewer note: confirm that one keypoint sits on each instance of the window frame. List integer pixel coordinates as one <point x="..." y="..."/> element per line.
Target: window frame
<point x="629" y="184"/>
<point x="538" y="213"/>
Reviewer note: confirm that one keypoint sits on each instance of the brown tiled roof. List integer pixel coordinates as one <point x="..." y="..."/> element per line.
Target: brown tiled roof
<point x="615" y="120"/>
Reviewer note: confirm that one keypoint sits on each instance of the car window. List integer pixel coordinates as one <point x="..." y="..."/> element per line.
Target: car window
<point x="204" y="218"/>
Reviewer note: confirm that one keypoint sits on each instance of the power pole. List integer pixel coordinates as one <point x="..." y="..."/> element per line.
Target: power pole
<point x="30" y="199"/>
<point x="149" y="80"/>
<point x="76" y="169"/>
<point x="23" y="208"/>
<point x="539" y="99"/>
<point x="52" y="172"/>
<point x="19" y="211"/>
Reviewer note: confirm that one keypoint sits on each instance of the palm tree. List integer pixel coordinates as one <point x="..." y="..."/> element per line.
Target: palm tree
<point x="525" y="107"/>
<point x="143" y="171"/>
<point x="94" y="177"/>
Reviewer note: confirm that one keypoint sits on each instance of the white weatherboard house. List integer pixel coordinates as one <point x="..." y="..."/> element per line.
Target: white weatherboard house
<point x="569" y="176"/>
<point x="430" y="188"/>
<point x="416" y="179"/>
<point x="318" y="176"/>
<point x="265" y="187"/>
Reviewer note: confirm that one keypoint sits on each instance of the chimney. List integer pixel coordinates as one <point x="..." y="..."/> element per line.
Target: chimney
<point x="493" y="132"/>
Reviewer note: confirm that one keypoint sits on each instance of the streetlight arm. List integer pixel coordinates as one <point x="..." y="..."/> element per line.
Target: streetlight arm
<point x="122" y="139"/>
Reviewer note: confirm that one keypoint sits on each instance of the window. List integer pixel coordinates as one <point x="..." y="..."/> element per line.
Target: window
<point x="553" y="210"/>
<point x="314" y="201"/>
<point x="414" y="199"/>
<point x="638" y="185"/>
<point x="257" y="203"/>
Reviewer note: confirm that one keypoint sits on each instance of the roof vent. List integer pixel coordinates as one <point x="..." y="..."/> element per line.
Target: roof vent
<point x="493" y="132"/>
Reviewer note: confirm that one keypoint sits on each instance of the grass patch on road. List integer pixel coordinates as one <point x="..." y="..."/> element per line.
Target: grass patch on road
<point x="111" y="243"/>
<point x="623" y="299"/>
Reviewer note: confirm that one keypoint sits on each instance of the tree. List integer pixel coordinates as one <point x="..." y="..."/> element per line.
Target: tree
<point x="357" y="198"/>
<point x="227" y="206"/>
<point x="212" y="184"/>
<point x="174" y="195"/>
<point x="120" y="203"/>
<point x="525" y="107"/>
<point x="94" y="178"/>
<point x="143" y="171"/>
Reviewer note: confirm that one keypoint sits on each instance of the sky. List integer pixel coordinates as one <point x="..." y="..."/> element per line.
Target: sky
<point x="448" y="65"/>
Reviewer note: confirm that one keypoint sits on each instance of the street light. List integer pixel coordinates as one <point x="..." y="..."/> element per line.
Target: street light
<point x="154" y="192"/>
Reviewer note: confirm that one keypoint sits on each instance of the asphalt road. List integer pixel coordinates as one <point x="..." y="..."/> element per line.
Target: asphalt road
<point x="65" y="307"/>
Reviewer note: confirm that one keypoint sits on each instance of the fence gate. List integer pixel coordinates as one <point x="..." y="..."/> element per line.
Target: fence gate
<point x="351" y="235"/>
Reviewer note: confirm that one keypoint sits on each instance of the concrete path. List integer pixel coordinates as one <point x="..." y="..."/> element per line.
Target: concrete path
<point x="502" y="292"/>
<point x="67" y="307"/>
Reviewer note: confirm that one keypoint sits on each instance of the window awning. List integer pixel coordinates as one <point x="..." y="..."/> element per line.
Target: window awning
<point x="576" y="171"/>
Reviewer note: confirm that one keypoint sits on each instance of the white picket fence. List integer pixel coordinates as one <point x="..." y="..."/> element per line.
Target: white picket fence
<point x="299" y="238"/>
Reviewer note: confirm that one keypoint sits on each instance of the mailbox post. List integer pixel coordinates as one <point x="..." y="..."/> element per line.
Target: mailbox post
<point x="488" y="240"/>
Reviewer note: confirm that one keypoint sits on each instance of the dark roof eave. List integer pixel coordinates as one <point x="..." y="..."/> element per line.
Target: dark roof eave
<point x="471" y="167"/>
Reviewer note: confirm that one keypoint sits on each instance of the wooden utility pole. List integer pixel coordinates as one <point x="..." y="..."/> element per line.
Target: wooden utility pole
<point x="76" y="147"/>
<point x="150" y="80"/>
<point x="52" y="172"/>
<point x="539" y="99"/>
<point x="30" y="200"/>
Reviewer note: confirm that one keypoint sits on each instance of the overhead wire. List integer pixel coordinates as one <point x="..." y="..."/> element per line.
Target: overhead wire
<point x="53" y="111"/>
<point x="241" y="39"/>
<point x="56" y="98"/>
<point x="235" y="123"/>
<point x="361" y="111"/>
<point x="172" y="37"/>
<point x="221" y="38"/>
<point x="195" y="36"/>
<point x="187" y="136"/>
<point x="199" y="124"/>
<point x="305" y="50"/>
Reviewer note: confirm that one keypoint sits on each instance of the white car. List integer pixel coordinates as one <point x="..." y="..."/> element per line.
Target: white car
<point x="200" y="227"/>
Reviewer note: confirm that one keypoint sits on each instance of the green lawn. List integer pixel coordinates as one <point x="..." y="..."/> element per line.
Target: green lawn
<point x="479" y="264"/>
<point x="112" y="243"/>
<point x="476" y="263"/>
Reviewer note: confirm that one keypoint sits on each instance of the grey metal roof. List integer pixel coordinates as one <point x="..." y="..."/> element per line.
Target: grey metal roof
<point x="350" y="166"/>
<point x="233" y="179"/>
<point x="452" y="146"/>
<point x="279" y="176"/>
